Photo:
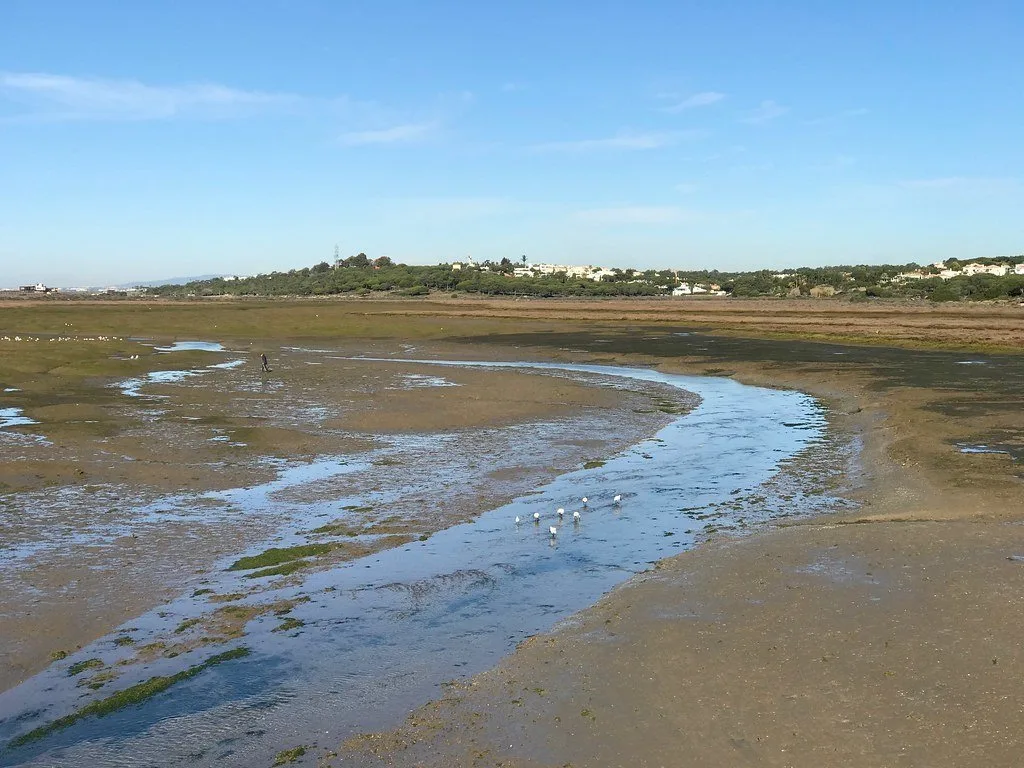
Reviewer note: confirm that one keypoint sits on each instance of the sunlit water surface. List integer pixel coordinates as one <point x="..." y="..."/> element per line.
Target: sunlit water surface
<point x="382" y="633"/>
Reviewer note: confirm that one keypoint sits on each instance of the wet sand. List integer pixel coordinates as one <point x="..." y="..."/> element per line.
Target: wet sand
<point x="885" y="635"/>
<point x="92" y="553"/>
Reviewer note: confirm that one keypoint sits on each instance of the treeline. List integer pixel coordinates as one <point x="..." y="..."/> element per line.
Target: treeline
<point x="361" y="275"/>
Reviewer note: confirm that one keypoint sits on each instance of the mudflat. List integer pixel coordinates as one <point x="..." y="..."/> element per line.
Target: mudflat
<point x="883" y="635"/>
<point x="107" y="508"/>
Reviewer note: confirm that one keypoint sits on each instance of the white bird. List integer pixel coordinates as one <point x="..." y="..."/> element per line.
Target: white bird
<point x="553" y="531"/>
<point x="536" y="517"/>
<point x="585" y="501"/>
<point x="617" y="498"/>
<point x="517" y="519"/>
<point x="561" y="511"/>
<point x="576" y="516"/>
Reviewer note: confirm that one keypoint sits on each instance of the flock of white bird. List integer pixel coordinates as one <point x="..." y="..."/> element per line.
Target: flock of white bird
<point x="62" y="338"/>
<point x="553" y="529"/>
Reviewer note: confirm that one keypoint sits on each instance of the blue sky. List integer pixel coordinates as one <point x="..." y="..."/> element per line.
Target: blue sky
<point x="147" y="140"/>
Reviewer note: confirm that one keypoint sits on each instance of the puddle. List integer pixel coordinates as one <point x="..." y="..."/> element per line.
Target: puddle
<point x="192" y="346"/>
<point x="382" y="633"/>
<point x="14" y="417"/>
<point x="1016" y="452"/>
<point x="419" y="380"/>
<point x="133" y="387"/>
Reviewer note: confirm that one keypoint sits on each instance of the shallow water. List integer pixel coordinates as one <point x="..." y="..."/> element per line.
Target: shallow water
<point x="133" y="387"/>
<point x="14" y="417"/>
<point x="384" y="632"/>
<point x="192" y="346"/>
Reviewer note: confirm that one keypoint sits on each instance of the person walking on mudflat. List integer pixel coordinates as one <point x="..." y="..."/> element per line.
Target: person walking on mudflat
<point x="263" y="359"/>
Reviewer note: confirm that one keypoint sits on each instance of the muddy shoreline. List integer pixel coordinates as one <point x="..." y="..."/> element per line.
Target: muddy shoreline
<point x="119" y="537"/>
<point x="883" y="635"/>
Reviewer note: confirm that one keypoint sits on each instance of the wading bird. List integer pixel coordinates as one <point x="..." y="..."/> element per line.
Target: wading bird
<point x="553" y="531"/>
<point x="517" y="519"/>
<point x="576" y="516"/>
<point x="617" y="498"/>
<point x="561" y="512"/>
<point x="585" y="501"/>
<point x="536" y="517"/>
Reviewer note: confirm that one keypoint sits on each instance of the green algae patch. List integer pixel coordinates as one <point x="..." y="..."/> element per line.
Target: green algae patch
<point x="226" y="598"/>
<point x="280" y="570"/>
<point x="289" y="624"/>
<point x="337" y="529"/>
<point x="593" y="464"/>
<point x="279" y="555"/>
<point x="186" y="625"/>
<point x="286" y="756"/>
<point x="80" y="666"/>
<point x="126" y="698"/>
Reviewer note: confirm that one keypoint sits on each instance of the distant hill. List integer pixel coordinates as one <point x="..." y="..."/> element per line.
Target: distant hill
<point x="168" y="281"/>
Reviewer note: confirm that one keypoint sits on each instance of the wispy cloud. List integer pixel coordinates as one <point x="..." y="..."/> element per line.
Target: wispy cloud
<point x="836" y="163"/>
<point x="620" y="142"/>
<point x="635" y="214"/>
<point x="962" y="185"/>
<point x="445" y="210"/>
<point x="406" y="133"/>
<point x="846" y="114"/>
<point x="43" y="96"/>
<point x="512" y="86"/>
<point x="686" y="189"/>
<point x="696" y="100"/>
<point x="767" y="111"/>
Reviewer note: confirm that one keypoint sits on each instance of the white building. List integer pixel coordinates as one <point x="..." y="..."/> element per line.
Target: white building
<point x="587" y="271"/>
<point x="985" y="269"/>
<point x="1018" y="269"/>
<point x="683" y="290"/>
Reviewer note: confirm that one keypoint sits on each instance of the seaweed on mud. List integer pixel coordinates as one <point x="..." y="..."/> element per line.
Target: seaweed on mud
<point x="289" y="624"/>
<point x="126" y="698"/>
<point x="81" y="666"/>
<point x="336" y="529"/>
<point x="279" y="555"/>
<point x="286" y="756"/>
<point x="186" y="625"/>
<point x="280" y="570"/>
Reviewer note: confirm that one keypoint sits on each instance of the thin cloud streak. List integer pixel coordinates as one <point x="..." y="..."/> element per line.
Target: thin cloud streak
<point x="766" y="112"/>
<point x="397" y="134"/>
<point x="621" y="142"/>
<point x="64" y="98"/>
<point x="961" y="185"/>
<point x="844" y="115"/>
<point x="650" y="215"/>
<point x="696" y="100"/>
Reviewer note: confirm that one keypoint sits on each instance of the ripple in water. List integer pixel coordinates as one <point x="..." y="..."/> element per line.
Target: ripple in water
<point x="382" y="633"/>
